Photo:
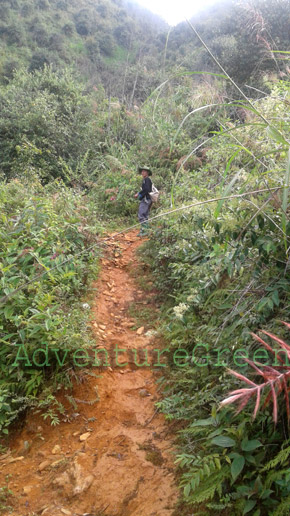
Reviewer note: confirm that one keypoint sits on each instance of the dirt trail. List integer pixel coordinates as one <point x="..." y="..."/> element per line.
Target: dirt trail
<point x="113" y="456"/>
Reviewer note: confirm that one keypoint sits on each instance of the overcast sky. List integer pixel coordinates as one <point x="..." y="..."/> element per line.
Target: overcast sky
<point x="174" y="11"/>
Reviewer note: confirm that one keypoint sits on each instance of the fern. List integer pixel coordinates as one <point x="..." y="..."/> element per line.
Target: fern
<point x="280" y="458"/>
<point x="273" y="476"/>
<point x="213" y="485"/>
<point x="200" y="470"/>
<point x="283" y="508"/>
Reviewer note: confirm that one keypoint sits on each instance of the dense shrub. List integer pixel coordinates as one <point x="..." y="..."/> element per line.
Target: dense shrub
<point x="221" y="270"/>
<point x="45" y="110"/>
<point x="40" y="229"/>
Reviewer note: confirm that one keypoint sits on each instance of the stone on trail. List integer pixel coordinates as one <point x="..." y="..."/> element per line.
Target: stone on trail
<point x="56" y="449"/>
<point x="43" y="465"/>
<point x="56" y="463"/>
<point x="85" y="436"/>
<point x="27" y="490"/>
<point x="144" y="393"/>
<point x="140" y="331"/>
<point x="74" y="481"/>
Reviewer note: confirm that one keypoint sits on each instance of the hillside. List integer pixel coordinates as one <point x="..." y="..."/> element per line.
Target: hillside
<point x="242" y="35"/>
<point x="130" y="51"/>
<point x="90" y="92"/>
<point x="99" y="39"/>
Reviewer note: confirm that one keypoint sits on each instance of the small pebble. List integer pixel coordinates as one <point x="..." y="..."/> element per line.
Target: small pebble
<point x="85" y="436"/>
<point x="56" y="449"/>
<point x="143" y="393"/>
<point x="27" y="490"/>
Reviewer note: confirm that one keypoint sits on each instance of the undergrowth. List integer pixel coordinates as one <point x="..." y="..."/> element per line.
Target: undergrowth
<point x="222" y="273"/>
<point x="221" y="269"/>
<point x="46" y="235"/>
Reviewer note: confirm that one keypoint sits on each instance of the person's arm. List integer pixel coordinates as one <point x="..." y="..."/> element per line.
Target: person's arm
<point x="146" y="188"/>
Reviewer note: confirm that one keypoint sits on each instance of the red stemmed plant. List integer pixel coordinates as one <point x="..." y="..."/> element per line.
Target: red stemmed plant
<point x="275" y="379"/>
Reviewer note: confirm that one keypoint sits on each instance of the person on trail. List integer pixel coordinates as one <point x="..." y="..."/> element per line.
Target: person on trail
<point x="145" y="199"/>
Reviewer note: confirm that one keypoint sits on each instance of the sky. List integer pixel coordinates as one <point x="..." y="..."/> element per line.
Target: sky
<point x="174" y="11"/>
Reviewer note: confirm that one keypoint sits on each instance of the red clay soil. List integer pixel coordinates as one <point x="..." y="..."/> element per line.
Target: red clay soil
<point x="113" y="455"/>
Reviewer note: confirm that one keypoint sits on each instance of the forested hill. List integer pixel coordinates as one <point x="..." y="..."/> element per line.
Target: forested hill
<point x="130" y="50"/>
<point x="99" y="38"/>
<point x="242" y="35"/>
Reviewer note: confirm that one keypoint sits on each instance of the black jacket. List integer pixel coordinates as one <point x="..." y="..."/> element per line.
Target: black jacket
<point x="146" y="188"/>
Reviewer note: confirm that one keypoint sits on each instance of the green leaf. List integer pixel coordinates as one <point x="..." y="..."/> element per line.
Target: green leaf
<point x="224" y="441"/>
<point x="250" y="445"/>
<point x="285" y="199"/>
<point x="228" y="188"/>
<point x="275" y="297"/>
<point x="187" y="490"/>
<point x="243" y="490"/>
<point x="249" y="505"/>
<point x="192" y="113"/>
<point x="203" y="422"/>
<point x="217" y="463"/>
<point x="267" y="493"/>
<point x="250" y="458"/>
<point x="237" y="466"/>
<point x="280" y="51"/>
<point x="262" y="304"/>
<point x="275" y="135"/>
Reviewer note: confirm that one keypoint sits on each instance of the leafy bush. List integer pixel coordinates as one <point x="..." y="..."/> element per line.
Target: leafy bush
<point x="44" y="236"/>
<point x="221" y="280"/>
<point x="114" y="192"/>
<point x="221" y="270"/>
<point x="45" y="110"/>
<point x="237" y="464"/>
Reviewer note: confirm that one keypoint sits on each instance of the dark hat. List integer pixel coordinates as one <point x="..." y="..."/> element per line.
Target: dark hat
<point x="145" y="168"/>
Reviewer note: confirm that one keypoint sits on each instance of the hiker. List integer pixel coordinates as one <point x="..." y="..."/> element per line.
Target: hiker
<point x="145" y="199"/>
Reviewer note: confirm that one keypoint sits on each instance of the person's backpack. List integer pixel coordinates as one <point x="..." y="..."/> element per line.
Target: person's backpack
<point x="154" y="194"/>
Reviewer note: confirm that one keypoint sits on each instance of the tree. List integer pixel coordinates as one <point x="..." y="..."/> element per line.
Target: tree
<point x="45" y="110"/>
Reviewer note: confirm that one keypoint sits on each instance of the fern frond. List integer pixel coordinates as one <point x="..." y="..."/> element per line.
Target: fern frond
<point x="200" y="470"/>
<point x="213" y="485"/>
<point x="273" y="476"/>
<point x="280" y="458"/>
<point x="283" y="508"/>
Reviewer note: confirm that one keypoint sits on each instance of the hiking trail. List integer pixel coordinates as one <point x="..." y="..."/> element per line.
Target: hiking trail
<point x="111" y="455"/>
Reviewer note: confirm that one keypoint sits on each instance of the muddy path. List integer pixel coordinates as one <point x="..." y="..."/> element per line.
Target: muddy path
<point x="113" y="454"/>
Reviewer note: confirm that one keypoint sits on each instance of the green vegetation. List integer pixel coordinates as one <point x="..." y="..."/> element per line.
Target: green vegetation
<point x="94" y="38"/>
<point x="70" y="143"/>
<point x="44" y="122"/>
<point x="48" y="229"/>
<point x="46" y="234"/>
<point x="242" y="35"/>
<point x="128" y="50"/>
<point x="223" y="270"/>
<point x="6" y="495"/>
